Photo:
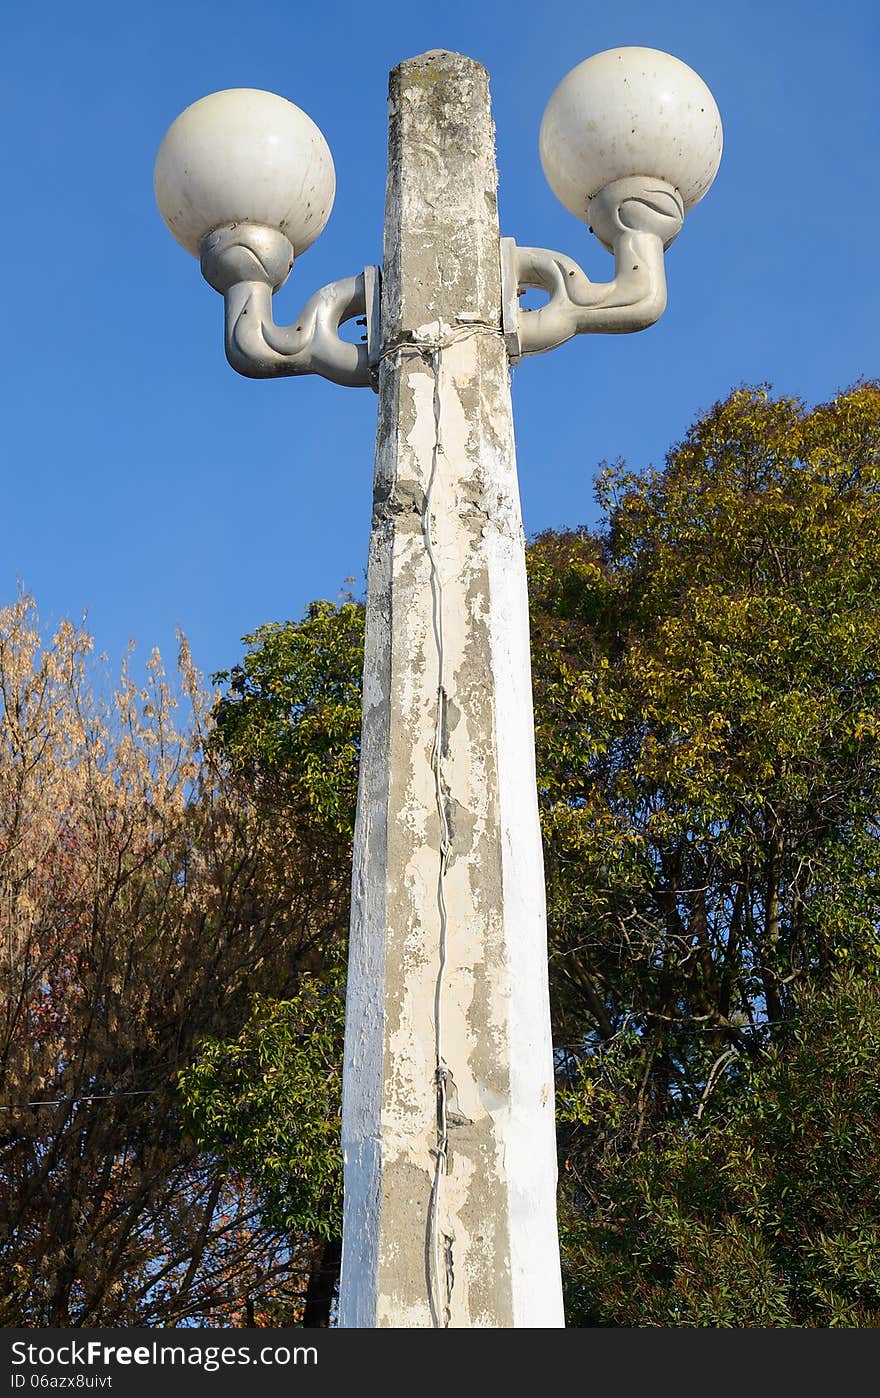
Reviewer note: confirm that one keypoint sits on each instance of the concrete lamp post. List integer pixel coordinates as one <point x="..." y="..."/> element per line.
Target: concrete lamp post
<point x="447" y="1118"/>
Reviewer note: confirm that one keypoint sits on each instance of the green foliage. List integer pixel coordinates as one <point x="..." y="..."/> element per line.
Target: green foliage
<point x="269" y="1101"/>
<point x="291" y="717"/>
<point x="765" y="1212"/>
<point x="707" y="689"/>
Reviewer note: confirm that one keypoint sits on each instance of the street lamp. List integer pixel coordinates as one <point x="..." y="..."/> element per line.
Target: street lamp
<point x="448" y="1131"/>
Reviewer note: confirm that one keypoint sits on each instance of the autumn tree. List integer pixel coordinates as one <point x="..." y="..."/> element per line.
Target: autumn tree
<point x="143" y="904"/>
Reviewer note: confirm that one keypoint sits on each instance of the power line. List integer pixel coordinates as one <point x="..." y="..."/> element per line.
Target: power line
<point x="66" y="1101"/>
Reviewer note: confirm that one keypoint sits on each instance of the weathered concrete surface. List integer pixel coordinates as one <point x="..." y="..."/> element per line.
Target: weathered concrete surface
<point x="450" y="1178"/>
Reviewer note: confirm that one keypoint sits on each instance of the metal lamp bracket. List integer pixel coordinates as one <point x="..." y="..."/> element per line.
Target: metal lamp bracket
<point x="637" y="218"/>
<point x="247" y="263"/>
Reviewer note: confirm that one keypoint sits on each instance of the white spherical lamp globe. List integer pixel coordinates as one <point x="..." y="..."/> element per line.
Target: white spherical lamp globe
<point x="630" y="111"/>
<point x="244" y="155"/>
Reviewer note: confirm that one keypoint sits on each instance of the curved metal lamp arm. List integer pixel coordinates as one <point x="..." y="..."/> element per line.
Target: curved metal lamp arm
<point x="247" y="262"/>
<point x="636" y="218"/>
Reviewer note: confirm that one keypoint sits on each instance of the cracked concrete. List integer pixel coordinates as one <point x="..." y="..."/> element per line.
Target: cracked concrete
<point x="493" y="1258"/>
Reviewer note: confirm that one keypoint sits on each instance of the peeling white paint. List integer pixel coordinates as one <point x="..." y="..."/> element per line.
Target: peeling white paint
<point x="496" y="1202"/>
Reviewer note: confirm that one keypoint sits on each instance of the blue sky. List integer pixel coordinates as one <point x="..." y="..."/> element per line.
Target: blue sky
<point x="147" y="485"/>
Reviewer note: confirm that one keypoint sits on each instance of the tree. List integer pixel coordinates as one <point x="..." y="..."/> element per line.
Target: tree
<point x="143" y="903"/>
<point x="289" y="723"/>
<point x="268" y="1103"/>
<point x="764" y="1213"/>
<point x="707" y="685"/>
